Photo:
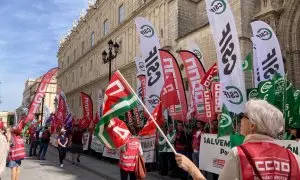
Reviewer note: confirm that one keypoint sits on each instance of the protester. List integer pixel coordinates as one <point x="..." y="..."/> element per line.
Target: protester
<point x="180" y="147"/>
<point x="62" y="142"/>
<point x="171" y="156"/>
<point x="214" y="127"/>
<point x="196" y="142"/>
<point x="163" y="154"/>
<point x="128" y="157"/>
<point x="260" y="124"/>
<point x="45" y="139"/>
<point x="76" y="144"/>
<point x="4" y="147"/>
<point x="16" y="153"/>
<point x="33" y="143"/>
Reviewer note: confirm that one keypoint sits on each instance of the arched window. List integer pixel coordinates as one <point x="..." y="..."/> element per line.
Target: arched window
<point x="105" y="27"/>
<point x="92" y="39"/>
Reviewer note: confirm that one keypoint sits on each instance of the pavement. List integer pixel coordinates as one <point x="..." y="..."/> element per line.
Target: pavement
<point x="90" y="168"/>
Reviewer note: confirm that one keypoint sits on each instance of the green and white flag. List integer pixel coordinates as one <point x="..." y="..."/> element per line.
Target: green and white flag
<point x="289" y="104"/>
<point x="266" y="91"/>
<point x="222" y="23"/>
<point x="279" y="90"/>
<point x="247" y="64"/>
<point x="252" y="93"/>
<point x="225" y="123"/>
<point x="118" y="99"/>
<point x="296" y="110"/>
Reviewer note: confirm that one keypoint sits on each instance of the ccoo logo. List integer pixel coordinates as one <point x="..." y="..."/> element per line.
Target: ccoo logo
<point x="218" y="6"/>
<point x="266" y="87"/>
<point x="264" y="34"/>
<point x="233" y="95"/>
<point x="147" y="31"/>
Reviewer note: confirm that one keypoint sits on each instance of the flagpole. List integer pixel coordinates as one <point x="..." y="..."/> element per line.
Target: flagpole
<point x="147" y="111"/>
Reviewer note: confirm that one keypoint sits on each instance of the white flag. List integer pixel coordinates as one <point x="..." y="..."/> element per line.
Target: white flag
<point x="268" y="52"/>
<point x="193" y="47"/>
<point x="149" y="45"/>
<point x="229" y="56"/>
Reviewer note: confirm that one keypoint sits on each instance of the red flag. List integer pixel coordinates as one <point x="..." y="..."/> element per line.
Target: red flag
<point x="87" y="105"/>
<point x="35" y="104"/>
<point x="168" y="94"/>
<point x="94" y="122"/>
<point x="195" y="71"/>
<point x="170" y="67"/>
<point x="209" y="110"/>
<point x="208" y="78"/>
<point x="61" y="112"/>
<point x="150" y="128"/>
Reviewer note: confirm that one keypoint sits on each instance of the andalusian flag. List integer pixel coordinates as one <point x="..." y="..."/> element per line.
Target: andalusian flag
<point x="118" y="99"/>
<point x="225" y="123"/>
<point x="247" y="64"/>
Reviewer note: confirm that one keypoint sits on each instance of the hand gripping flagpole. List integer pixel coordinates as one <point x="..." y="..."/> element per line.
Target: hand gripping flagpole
<point x="150" y="115"/>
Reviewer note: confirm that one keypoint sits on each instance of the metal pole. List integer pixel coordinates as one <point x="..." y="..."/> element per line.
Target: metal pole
<point x="42" y="110"/>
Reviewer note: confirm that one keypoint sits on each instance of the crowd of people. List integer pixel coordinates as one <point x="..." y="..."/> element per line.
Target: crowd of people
<point x="260" y="124"/>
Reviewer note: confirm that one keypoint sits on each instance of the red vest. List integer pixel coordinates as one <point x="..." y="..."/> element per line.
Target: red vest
<point x="271" y="161"/>
<point x="17" y="152"/>
<point x="128" y="158"/>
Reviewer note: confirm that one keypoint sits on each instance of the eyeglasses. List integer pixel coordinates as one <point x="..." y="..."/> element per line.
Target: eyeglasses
<point x="243" y="115"/>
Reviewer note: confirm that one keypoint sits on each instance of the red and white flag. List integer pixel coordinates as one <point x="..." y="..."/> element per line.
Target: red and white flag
<point x="150" y="128"/>
<point x="209" y="76"/>
<point x="168" y="94"/>
<point x="35" y="104"/>
<point x="170" y="67"/>
<point x="87" y="105"/>
<point x="195" y="72"/>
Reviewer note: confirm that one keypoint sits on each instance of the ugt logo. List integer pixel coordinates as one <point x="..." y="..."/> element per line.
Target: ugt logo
<point x="218" y="6"/>
<point x="147" y="31"/>
<point x="233" y="94"/>
<point x="264" y="34"/>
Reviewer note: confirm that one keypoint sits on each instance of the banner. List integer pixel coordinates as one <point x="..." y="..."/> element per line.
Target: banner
<point x="256" y="75"/>
<point x="96" y="145"/>
<point x="195" y="71"/>
<point x="61" y="112"/>
<point x="209" y="76"/>
<point x="148" y="146"/>
<point x="268" y="52"/>
<point x="228" y="52"/>
<point x="85" y="141"/>
<point x="111" y="153"/>
<point x="216" y="87"/>
<point x="169" y="95"/>
<point x="140" y="66"/>
<point x="149" y="45"/>
<point x="87" y="107"/>
<point x="40" y="92"/>
<point x="100" y="102"/>
<point x="193" y="47"/>
<point x="170" y="67"/>
<point x="219" y="148"/>
<point x="252" y="93"/>
<point x="208" y="105"/>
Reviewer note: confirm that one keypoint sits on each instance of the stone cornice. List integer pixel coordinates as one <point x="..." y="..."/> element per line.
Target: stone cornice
<point x="106" y="38"/>
<point x="126" y="66"/>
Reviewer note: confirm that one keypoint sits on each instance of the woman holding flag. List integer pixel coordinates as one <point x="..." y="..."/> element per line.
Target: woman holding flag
<point x="259" y="156"/>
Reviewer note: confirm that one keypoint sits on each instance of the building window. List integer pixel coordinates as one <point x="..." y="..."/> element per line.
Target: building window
<point x="74" y="54"/>
<point x="68" y="61"/>
<point x="121" y="13"/>
<point x="105" y="27"/>
<point x="120" y="46"/>
<point x="82" y="47"/>
<point x="91" y="64"/>
<point x="92" y="39"/>
<point x="81" y="71"/>
<point x="73" y="76"/>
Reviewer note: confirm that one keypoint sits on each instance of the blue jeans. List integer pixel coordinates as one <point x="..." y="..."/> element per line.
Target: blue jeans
<point x="43" y="150"/>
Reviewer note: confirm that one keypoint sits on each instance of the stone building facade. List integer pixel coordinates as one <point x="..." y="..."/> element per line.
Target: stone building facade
<point x="31" y="86"/>
<point x="177" y="22"/>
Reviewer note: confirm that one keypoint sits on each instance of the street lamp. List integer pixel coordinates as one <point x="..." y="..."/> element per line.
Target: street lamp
<point x="110" y="54"/>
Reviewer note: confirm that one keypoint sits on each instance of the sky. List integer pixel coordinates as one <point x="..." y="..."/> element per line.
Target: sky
<point x="29" y="37"/>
